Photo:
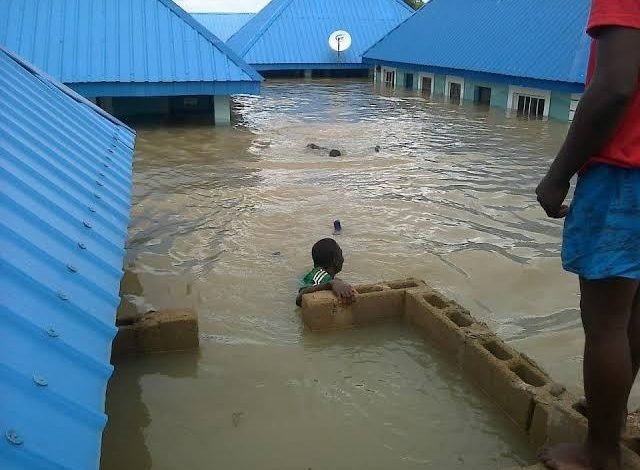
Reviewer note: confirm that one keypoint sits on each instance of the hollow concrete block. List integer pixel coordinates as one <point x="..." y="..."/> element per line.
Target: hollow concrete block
<point x="321" y="311"/>
<point x="168" y="330"/>
<point x="430" y="317"/>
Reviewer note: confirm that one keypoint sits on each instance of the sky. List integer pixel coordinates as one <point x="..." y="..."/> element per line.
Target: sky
<point x="222" y="5"/>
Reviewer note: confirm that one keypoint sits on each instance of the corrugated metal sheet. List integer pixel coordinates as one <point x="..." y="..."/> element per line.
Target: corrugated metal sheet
<point x="288" y="32"/>
<point x="119" y="42"/>
<point x="65" y="174"/>
<point x="542" y="40"/>
<point x="223" y="25"/>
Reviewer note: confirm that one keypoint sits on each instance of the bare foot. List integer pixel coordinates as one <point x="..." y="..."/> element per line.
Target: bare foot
<point x="565" y="457"/>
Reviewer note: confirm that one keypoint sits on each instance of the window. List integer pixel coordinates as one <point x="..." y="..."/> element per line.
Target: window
<point x="190" y="101"/>
<point x="389" y="78"/>
<point x="529" y="102"/>
<point x="483" y="95"/>
<point x="530" y="106"/>
<point x="454" y="87"/>
<point x="426" y="85"/>
<point x="408" y="80"/>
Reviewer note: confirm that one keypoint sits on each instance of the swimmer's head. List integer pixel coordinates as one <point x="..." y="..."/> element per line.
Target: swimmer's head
<point x="327" y="255"/>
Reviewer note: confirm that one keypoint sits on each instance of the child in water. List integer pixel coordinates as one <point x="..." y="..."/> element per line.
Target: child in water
<point x="327" y="262"/>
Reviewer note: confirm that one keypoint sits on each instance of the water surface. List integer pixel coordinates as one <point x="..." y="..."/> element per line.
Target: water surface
<point x="223" y="222"/>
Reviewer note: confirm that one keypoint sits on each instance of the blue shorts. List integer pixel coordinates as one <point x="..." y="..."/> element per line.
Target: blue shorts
<point x="602" y="230"/>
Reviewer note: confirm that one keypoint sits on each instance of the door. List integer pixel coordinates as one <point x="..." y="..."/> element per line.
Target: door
<point x="426" y="86"/>
<point x="455" y="92"/>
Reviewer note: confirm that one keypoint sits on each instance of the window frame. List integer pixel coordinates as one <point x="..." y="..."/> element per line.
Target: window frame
<point x="515" y="92"/>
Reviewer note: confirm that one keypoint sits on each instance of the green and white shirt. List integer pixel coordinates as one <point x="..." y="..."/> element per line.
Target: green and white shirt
<point x="316" y="277"/>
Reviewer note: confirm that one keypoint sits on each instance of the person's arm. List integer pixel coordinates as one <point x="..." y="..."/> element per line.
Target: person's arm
<point x="614" y="84"/>
<point x="341" y="289"/>
<point x="309" y="290"/>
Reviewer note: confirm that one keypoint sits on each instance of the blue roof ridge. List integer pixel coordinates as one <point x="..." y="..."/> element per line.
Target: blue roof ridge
<point x="397" y="26"/>
<point x="44" y="77"/>
<point x="209" y="36"/>
<point x="264" y="27"/>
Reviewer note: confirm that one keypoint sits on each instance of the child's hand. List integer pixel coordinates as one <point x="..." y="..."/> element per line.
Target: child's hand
<point x="345" y="293"/>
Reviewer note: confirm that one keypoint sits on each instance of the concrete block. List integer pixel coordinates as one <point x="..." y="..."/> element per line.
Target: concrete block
<point x="168" y="330"/>
<point x="425" y="311"/>
<point x="540" y="407"/>
<point x="375" y="303"/>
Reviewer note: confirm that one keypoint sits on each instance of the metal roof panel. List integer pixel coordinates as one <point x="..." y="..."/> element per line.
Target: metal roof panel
<point x="297" y="31"/>
<point x="544" y="40"/>
<point x="223" y="25"/>
<point x="65" y="173"/>
<point x="118" y="41"/>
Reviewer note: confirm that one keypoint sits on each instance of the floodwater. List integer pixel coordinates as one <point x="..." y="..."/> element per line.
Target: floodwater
<point x="223" y="222"/>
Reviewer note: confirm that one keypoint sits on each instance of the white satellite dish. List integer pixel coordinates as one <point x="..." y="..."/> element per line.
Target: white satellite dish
<point x="340" y="41"/>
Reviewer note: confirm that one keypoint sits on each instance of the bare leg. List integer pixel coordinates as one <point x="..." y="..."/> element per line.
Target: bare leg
<point x="634" y="338"/>
<point x="606" y="307"/>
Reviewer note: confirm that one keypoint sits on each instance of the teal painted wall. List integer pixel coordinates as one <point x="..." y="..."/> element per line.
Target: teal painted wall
<point x="499" y="92"/>
<point x="559" y="106"/>
<point x="438" y="85"/>
<point x="402" y="77"/>
<point x="499" y="95"/>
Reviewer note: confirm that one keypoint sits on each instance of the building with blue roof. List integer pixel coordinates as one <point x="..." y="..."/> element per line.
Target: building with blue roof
<point x="131" y="57"/>
<point x="527" y="57"/>
<point x="223" y="25"/>
<point x="293" y="35"/>
<point x="65" y="173"/>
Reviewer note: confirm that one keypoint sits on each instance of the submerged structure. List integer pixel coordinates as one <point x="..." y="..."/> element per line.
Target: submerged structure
<point x="527" y="57"/>
<point x="541" y="409"/>
<point x="291" y="37"/>
<point x="130" y="57"/>
<point x="223" y="25"/>
<point x="65" y="171"/>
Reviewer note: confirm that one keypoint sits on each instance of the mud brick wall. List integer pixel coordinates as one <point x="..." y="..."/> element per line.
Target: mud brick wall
<point x="542" y="409"/>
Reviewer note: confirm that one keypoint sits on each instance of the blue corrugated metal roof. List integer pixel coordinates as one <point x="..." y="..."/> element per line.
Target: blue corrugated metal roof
<point x="289" y="32"/>
<point x="65" y="173"/>
<point x="118" y="43"/>
<point x="542" y="40"/>
<point x="223" y="25"/>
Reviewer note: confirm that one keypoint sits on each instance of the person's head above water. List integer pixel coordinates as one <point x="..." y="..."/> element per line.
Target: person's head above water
<point x="327" y="255"/>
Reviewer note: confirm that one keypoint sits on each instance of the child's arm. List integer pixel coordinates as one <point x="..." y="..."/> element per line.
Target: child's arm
<point x="341" y="289"/>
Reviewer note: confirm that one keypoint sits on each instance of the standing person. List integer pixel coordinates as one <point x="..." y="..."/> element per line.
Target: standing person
<point x="601" y="241"/>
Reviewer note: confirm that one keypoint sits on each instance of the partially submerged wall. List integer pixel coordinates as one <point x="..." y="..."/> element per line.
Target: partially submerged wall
<point x="542" y="409"/>
<point x="168" y="330"/>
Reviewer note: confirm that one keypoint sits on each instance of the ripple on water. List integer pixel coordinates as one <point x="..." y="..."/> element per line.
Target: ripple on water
<point x="449" y="198"/>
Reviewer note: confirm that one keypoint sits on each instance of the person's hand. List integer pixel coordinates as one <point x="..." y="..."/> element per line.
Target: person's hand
<point x="345" y="293"/>
<point x="551" y="194"/>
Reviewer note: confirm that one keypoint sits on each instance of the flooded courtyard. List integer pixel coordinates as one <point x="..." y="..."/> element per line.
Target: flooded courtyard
<point x="223" y="222"/>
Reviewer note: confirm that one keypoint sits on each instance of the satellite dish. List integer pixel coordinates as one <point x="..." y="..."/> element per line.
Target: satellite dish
<point x="340" y="41"/>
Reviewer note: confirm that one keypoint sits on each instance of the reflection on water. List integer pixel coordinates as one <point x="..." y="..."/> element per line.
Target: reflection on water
<point x="223" y="221"/>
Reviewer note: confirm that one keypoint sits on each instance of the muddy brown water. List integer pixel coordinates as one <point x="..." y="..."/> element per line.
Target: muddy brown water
<point x="223" y="222"/>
